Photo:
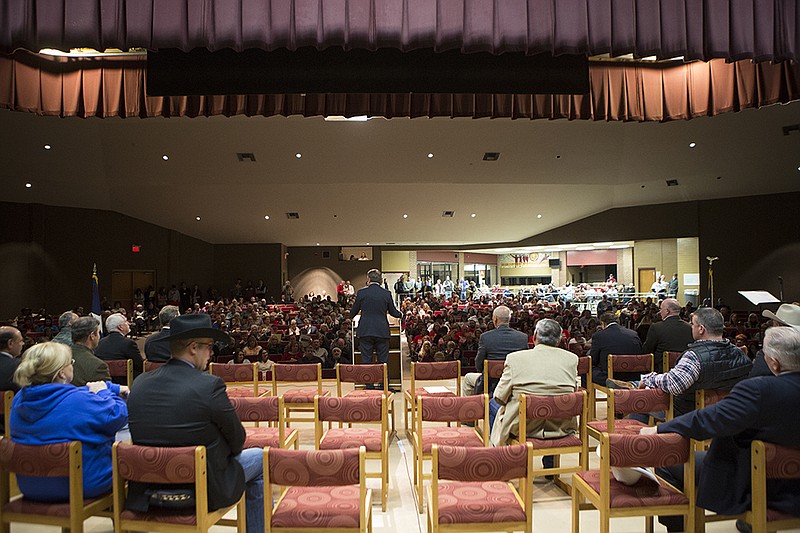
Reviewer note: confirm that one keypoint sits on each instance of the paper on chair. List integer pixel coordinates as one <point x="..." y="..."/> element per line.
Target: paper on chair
<point x="436" y="390"/>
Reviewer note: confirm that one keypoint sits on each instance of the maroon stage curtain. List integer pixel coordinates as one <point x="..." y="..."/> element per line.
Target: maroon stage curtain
<point x="116" y="87"/>
<point x="763" y="30"/>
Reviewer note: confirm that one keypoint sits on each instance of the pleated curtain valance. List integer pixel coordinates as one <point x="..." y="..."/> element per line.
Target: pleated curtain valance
<point x="116" y="87"/>
<point x="762" y="30"/>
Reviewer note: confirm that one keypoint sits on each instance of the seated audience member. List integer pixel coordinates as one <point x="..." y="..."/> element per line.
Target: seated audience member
<point x="788" y="315"/>
<point x="264" y="362"/>
<point x="274" y="346"/>
<point x="198" y="413"/>
<point x="293" y="350"/>
<point x="49" y="409"/>
<point x="318" y="351"/>
<point x="65" y="330"/>
<point x="156" y="347"/>
<point x="116" y="344"/>
<point x="754" y="409"/>
<point x="11" y="343"/>
<point x="86" y="366"/>
<point x="334" y="358"/>
<point x="240" y="359"/>
<point x="669" y="334"/>
<point x="612" y="339"/>
<point x="251" y="348"/>
<point x="543" y="370"/>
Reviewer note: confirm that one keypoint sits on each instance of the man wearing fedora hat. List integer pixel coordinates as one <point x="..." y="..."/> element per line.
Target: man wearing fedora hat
<point x="788" y="315"/>
<point x="181" y="405"/>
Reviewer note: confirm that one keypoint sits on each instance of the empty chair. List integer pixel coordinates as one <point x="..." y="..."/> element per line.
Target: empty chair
<point x="264" y="409"/>
<point x="321" y="489"/>
<point x="626" y="402"/>
<point x="49" y="460"/>
<point x="298" y="401"/>
<point x="366" y="374"/>
<point x="471" y="490"/>
<point x="440" y="371"/>
<point x="639" y="364"/>
<point x="169" y="466"/>
<point x="240" y="379"/>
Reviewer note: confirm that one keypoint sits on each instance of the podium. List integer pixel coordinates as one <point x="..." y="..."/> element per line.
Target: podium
<point x="394" y="364"/>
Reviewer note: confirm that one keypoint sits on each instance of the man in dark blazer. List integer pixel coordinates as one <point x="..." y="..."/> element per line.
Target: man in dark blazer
<point x="495" y="345"/>
<point x="156" y="347"/>
<point x="373" y="301"/>
<point x="671" y="334"/>
<point x="181" y="405"/>
<point x="612" y="339"/>
<point x="116" y="345"/>
<point x="11" y="344"/>
<point x="755" y="409"/>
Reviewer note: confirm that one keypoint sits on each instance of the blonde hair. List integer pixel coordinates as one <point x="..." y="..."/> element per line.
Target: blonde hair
<point x="41" y="363"/>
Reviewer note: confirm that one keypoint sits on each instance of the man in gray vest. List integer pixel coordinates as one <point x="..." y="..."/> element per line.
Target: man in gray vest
<point x="710" y="362"/>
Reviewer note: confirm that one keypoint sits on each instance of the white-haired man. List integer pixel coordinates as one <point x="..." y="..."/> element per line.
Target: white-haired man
<point x="115" y="345"/>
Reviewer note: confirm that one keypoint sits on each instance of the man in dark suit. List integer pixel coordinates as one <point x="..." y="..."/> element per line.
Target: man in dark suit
<point x="116" y="345"/>
<point x="11" y="344"/>
<point x="755" y="409"/>
<point x="156" y="347"/>
<point x="181" y="405"/>
<point x="495" y="345"/>
<point x="373" y="301"/>
<point x="612" y="339"/>
<point x="671" y="334"/>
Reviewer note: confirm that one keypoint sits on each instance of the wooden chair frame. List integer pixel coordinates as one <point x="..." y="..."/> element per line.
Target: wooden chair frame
<point x="205" y="518"/>
<point x="115" y="369"/>
<point x="492" y="369"/>
<point x="285" y="439"/>
<point x="602" y="500"/>
<point x="410" y="395"/>
<point x="365" y="497"/>
<point x="294" y="408"/>
<point x="79" y="509"/>
<point x="386" y="392"/>
<point x="601" y="387"/>
<point x="670" y="359"/>
<point x="238" y="385"/>
<point x="382" y="455"/>
<point x="611" y="422"/>
<point x="526" y="487"/>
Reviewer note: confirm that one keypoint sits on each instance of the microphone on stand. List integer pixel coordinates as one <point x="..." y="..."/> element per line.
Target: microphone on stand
<point x="780" y="283"/>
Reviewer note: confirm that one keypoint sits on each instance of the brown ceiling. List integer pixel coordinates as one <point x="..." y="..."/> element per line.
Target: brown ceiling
<point x="355" y="181"/>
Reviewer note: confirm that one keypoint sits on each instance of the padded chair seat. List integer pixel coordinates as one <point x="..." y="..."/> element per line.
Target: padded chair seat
<point x="644" y="493"/>
<point x="561" y="442"/>
<point x="26" y="506"/>
<point x="482" y="502"/>
<point x="302" y="395"/>
<point x="453" y="436"/>
<point x="263" y="436"/>
<point x="240" y="392"/>
<point x="422" y="392"/>
<point x="165" y="516"/>
<point x="341" y="438"/>
<point x="625" y="426"/>
<point x="318" y="507"/>
<point x="774" y="516"/>
<point x="364" y="393"/>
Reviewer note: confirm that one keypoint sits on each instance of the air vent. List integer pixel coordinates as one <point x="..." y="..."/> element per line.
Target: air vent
<point x="246" y="157"/>
<point x="293" y="216"/>
<point x="448" y="214"/>
<point x="672" y="183"/>
<point x="491" y="156"/>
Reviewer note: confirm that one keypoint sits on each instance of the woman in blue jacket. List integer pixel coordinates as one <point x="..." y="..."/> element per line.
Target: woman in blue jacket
<point x="49" y="409"/>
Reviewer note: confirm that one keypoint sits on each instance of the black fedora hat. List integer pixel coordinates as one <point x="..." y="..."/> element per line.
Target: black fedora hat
<point x="195" y="327"/>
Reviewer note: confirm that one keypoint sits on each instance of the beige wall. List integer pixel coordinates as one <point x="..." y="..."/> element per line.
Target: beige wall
<point x="661" y="254"/>
<point x="395" y="261"/>
<point x="625" y="266"/>
<point x="688" y="263"/>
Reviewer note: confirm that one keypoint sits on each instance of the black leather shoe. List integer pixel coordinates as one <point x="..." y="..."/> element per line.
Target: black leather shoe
<point x="743" y="526"/>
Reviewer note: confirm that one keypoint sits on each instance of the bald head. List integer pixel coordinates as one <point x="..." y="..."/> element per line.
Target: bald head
<point x="670" y="307"/>
<point x="501" y="315"/>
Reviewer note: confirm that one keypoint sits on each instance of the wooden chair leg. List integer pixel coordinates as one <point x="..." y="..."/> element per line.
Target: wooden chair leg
<point x="576" y="511"/>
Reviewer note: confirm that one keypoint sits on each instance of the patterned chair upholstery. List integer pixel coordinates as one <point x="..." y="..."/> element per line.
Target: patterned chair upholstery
<point x="298" y="401"/>
<point x="438" y="371"/>
<point x="322" y="489"/>
<point x="370" y="414"/>
<point x="241" y="379"/>
<point x="63" y="460"/>
<point x="492" y="369"/>
<point x="478" y="495"/>
<point x="625" y="402"/>
<point x="644" y="498"/>
<point x="121" y="368"/>
<point x="670" y="359"/>
<point x="585" y="369"/>
<point x="149" y="366"/>
<point x="265" y="409"/>
<point x="638" y="363"/>
<point x="704" y="398"/>
<point x="770" y="461"/>
<point x="361" y="374"/>
<point x="448" y="409"/>
<point x="180" y="465"/>
<point x="558" y="407"/>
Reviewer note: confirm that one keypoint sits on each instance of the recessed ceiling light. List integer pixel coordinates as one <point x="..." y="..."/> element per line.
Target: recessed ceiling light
<point x="317" y="244"/>
<point x="197" y="218"/>
<point x="28" y="185"/>
<point x="798" y="168"/>
<point x="367" y="244"/>
<point x="165" y="157"/>
<point x="47" y="146"/>
<point x="405" y="215"/>
<point x="473" y="215"/>
<point x="266" y="217"/>
<point x="298" y="155"/>
<point x="430" y="155"/>
<point x="539" y="215"/>
<point x="692" y="144"/>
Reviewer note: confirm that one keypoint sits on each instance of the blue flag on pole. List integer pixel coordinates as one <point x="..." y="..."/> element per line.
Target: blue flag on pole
<point x="96" y="310"/>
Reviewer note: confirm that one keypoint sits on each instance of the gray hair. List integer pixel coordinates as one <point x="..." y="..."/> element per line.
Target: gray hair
<point x="548" y="332"/>
<point x="66" y="318"/>
<point x="167" y="313"/>
<point x="502" y="314"/>
<point x="113" y="322"/>
<point x="783" y="343"/>
<point x="671" y="305"/>
<point x="374" y="275"/>
<point x="711" y="319"/>
<point x="83" y="326"/>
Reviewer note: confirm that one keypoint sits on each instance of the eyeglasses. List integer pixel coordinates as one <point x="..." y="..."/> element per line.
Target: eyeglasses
<point x="209" y="344"/>
<point x="72" y="362"/>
